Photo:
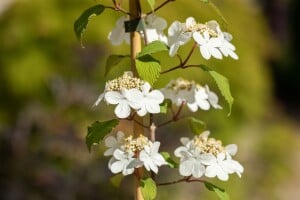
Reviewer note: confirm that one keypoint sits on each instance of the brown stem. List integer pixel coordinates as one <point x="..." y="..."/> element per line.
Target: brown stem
<point x="152" y="136"/>
<point x="160" y="6"/>
<point x="174" y="118"/>
<point x="186" y="180"/>
<point x="182" y="65"/>
<point x="135" y="48"/>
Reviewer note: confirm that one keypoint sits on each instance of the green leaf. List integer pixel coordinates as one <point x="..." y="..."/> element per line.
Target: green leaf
<point x="197" y="126"/>
<point x="116" y="180"/>
<point x="169" y="160"/>
<point x="219" y="191"/>
<point x="167" y="103"/>
<point x="112" y="61"/>
<point x="148" y="68"/>
<point x="153" y="47"/>
<point x="151" y="3"/>
<point x="98" y="130"/>
<point x="82" y="22"/>
<point x="222" y="83"/>
<point x="148" y="189"/>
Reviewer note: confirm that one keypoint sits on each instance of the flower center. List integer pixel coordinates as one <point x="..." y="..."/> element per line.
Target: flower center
<point x="180" y="84"/>
<point x="127" y="81"/>
<point x="208" y="145"/>
<point x="136" y="144"/>
<point x="201" y="28"/>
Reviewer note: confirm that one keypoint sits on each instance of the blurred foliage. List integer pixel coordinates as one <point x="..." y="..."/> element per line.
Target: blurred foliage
<point x="49" y="83"/>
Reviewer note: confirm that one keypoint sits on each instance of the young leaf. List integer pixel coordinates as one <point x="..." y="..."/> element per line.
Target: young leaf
<point x="98" y="130"/>
<point x="116" y="180"/>
<point x="169" y="160"/>
<point x="165" y="105"/>
<point x="153" y="47"/>
<point x="222" y="83"/>
<point x="148" y="68"/>
<point x="219" y="191"/>
<point x="151" y="4"/>
<point x="82" y="22"/>
<point x="197" y="126"/>
<point x="148" y="189"/>
<point x="112" y="61"/>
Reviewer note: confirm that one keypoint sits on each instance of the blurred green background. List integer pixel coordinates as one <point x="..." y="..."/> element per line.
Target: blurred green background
<point x="48" y="84"/>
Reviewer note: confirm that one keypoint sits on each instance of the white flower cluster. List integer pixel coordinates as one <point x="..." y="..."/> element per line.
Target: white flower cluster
<point x="154" y="27"/>
<point x="130" y="92"/>
<point x="207" y="156"/>
<point x="211" y="40"/>
<point x="129" y="153"/>
<point x="192" y="94"/>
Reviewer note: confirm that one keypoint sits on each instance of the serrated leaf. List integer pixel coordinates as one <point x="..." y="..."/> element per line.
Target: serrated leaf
<point x="222" y="83"/>
<point x="197" y="126"/>
<point x="167" y="103"/>
<point x="82" y="22"/>
<point x="148" y="68"/>
<point x="148" y="189"/>
<point x="219" y="191"/>
<point x="98" y="130"/>
<point x="151" y="3"/>
<point x="112" y="61"/>
<point x="169" y="160"/>
<point x="116" y="180"/>
<point x="153" y="47"/>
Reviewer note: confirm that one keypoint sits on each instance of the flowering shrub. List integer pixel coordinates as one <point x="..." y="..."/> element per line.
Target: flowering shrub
<point x="134" y="97"/>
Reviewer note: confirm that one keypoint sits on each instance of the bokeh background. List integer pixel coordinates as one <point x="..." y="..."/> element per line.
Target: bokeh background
<point x="48" y="84"/>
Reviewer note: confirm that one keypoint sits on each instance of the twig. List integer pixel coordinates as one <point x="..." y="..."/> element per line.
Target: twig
<point x="185" y="179"/>
<point x="174" y="118"/>
<point x="117" y="7"/>
<point x="160" y="6"/>
<point x="183" y="65"/>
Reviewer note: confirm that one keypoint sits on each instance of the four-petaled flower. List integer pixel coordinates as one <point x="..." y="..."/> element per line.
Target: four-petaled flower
<point x="151" y="158"/>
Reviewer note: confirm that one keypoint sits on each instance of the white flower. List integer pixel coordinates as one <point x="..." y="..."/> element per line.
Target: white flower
<point x="120" y="99"/>
<point x="212" y="98"/>
<point x="208" y="45"/>
<point x="201" y="100"/>
<point x="151" y="158"/>
<point x="195" y="96"/>
<point x="120" y="162"/>
<point x="177" y="36"/>
<point x="113" y="143"/>
<point x="154" y="28"/>
<point x="203" y="155"/>
<point x="148" y="100"/>
<point x="118" y="34"/>
<point x="226" y="47"/>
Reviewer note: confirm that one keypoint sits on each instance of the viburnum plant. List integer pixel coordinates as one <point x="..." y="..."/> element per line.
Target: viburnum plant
<point x="135" y="99"/>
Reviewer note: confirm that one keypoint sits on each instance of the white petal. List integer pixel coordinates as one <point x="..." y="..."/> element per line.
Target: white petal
<point x="146" y="88"/>
<point x="198" y="170"/>
<point x="99" y="99"/>
<point x="186" y="168"/>
<point x="231" y="149"/>
<point x="152" y="107"/>
<point x="205" y="52"/>
<point x="215" y="53"/>
<point x="193" y="106"/>
<point x="203" y="104"/>
<point x="173" y="49"/>
<point x="199" y="38"/>
<point x="113" y="97"/>
<point x="135" y="98"/>
<point x="190" y="21"/>
<point x="156" y="96"/>
<point x="117" y="167"/>
<point x="142" y="111"/>
<point x="122" y="110"/>
<point x="110" y="141"/>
